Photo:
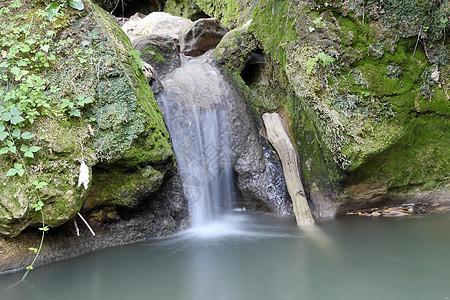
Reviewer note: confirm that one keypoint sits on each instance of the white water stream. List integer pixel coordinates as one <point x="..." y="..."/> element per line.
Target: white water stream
<point x="193" y="104"/>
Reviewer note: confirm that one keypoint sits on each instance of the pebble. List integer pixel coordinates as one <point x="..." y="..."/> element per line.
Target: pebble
<point x="410" y="209"/>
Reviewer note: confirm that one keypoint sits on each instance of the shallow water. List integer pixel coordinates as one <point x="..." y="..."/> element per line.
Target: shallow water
<point x="260" y="257"/>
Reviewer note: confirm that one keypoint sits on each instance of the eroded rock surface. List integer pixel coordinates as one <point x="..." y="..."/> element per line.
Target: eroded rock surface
<point x="156" y="22"/>
<point x="201" y="36"/>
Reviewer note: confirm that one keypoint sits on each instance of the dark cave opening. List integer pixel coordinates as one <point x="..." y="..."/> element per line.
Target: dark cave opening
<point x="253" y="67"/>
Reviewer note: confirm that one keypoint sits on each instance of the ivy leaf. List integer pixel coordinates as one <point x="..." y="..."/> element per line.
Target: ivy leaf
<point x="16" y="120"/>
<point x="45" y="48"/>
<point x="15" y="70"/>
<point x="29" y="154"/>
<point x="40" y="184"/>
<point x="15" y="111"/>
<point x="75" y="113"/>
<point x="27" y="135"/>
<point x="38" y="205"/>
<point x="20" y="172"/>
<point x="77" y="4"/>
<point x="11" y="172"/>
<point x="16" y="133"/>
<point x="3" y="135"/>
<point x="35" y="148"/>
<point x="6" y="116"/>
<point x="45" y="228"/>
<point x="52" y="10"/>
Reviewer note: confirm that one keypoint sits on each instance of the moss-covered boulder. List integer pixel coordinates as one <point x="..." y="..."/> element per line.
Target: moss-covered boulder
<point x="76" y="88"/>
<point x="367" y="104"/>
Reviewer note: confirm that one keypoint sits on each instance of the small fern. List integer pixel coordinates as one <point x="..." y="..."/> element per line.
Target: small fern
<point x="324" y="59"/>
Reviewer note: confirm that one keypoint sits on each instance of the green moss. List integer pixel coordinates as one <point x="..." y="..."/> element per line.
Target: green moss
<point x="274" y="25"/>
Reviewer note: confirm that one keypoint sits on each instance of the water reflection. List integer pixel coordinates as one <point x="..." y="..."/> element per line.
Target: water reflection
<point x="260" y="257"/>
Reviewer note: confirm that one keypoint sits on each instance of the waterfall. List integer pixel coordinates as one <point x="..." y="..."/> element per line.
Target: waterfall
<point x="193" y="106"/>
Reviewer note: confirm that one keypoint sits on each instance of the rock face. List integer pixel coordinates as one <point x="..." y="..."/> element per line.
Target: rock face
<point x="201" y="36"/>
<point x="288" y="156"/>
<point x="160" y="51"/>
<point x="381" y="125"/>
<point x="118" y="132"/>
<point x="258" y="171"/>
<point x="156" y="22"/>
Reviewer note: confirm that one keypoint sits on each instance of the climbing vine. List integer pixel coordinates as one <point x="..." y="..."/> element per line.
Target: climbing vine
<point x="28" y="47"/>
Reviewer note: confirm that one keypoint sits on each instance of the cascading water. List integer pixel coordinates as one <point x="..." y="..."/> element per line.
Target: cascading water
<point x="194" y="111"/>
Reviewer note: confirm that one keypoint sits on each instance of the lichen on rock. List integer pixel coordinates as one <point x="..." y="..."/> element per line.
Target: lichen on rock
<point x="122" y="129"/>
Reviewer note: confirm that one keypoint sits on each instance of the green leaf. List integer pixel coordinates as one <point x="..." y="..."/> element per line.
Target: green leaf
<point x="15" y="111"/>
<point x="39" y="185"/>
<point x="11" y="172"/>
<point x="35" y="250"/>
<point x="3" y="135"/>
<point x="75" y="113"/>
<point x="6" y="116"/>
<point x="45" y="228"/>
<point x="16" y="133"/>
<point x="38" y="205"/>
<point x="18" y="166"/>
<point x="35" y="148"/>
<point x="16" y="120"/>
<point x="15" y="70"/>
<point x="45" y="48"/>
<point x="77" y="4"/>
<point x="4" y="150"/>
<point x="29" y="154"/>
<point x="12" y="149"/>
<point x="24" y="148"/>
<point x="311" y="29"/>
<point x="20" y="172"/>
<point x="27" y="135"/>
<point x="30" y="268"/>
<point x="52" y="10"/>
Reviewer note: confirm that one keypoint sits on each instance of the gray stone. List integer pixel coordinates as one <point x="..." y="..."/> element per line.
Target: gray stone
<point x="202" y="35"/>
<point x="160" y="51"/>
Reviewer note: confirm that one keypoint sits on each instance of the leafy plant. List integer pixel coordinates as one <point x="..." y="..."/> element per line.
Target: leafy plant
<point x="323" y="58"/>
<point x="28" y="48"/>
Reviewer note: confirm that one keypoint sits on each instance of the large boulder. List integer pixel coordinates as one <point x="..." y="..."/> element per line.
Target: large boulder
<point x="363" y="138"/>
<point x="160" y="51"/>
<point x="156" y="23"/>
<point x="201" y="36"/>
<point x="92" y="104"/>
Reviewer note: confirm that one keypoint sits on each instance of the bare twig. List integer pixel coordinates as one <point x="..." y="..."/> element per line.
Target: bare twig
<point x="85" y="222"/>
<point x="76" y="227"/>
<point x="418" y="38"/>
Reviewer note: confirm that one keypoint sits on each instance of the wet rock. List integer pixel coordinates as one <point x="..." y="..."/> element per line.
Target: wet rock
<point x="201" y="36"/>
<point x="160" y="51"/>
<point x="156" y="23"/>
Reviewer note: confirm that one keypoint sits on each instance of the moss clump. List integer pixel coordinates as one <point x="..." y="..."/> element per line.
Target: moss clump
<point x="122" y="126"/>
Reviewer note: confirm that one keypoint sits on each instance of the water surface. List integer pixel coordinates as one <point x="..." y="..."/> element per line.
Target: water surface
<point x="260" y="257"/>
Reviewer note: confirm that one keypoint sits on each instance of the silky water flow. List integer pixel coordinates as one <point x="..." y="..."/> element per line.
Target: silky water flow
<point x="193" y="107"/>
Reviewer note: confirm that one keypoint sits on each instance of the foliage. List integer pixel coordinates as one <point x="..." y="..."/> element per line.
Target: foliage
<point x="323" y="58"/>
<point x="28" y="47"/>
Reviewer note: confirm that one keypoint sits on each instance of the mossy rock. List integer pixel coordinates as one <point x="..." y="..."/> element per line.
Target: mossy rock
<point x="373" y="112"/>
<point x="122" y="129"/>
